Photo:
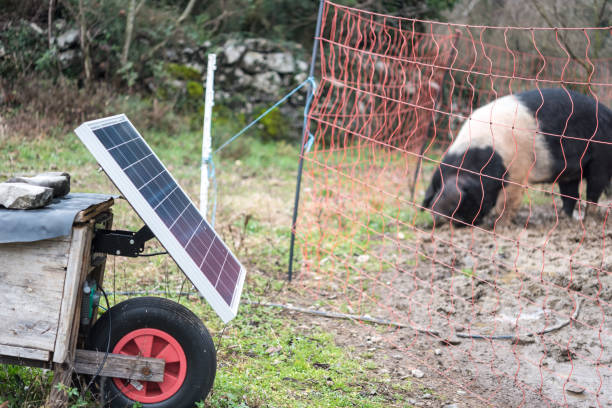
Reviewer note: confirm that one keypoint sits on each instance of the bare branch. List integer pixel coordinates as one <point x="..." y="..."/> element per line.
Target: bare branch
<point x="139" y="6"/>
<point x="600" y="15"/>
<point x="186" y="12"/>
<point x="177" y="23"/>
<point x="566" y="46"/>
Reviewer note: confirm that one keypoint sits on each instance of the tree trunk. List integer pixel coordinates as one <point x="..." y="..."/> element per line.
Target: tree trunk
<point x="50" y="22"/>
<point x="84" y="42"/>
<point x="129" y="29"/>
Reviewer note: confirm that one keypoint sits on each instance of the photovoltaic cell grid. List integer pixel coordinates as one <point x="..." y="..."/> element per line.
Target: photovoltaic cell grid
<point x="148" y="185"/>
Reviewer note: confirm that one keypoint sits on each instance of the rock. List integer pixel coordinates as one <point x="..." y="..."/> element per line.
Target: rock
<point x="232" y="51"/>
<point x="196" y="67"/>
<point x="260" y="44"/>
<point x="574" y="388"/>
<point x="426" y="396"/>
<point x="24" y="196"/>
<point x="242" y="78"/>
<point x="438" y="352"/>
<point x="451" y="406"/>
<point x="302" y="66"/>
<point x="68" y="39"/>
<point x="254" y="62"/>
<point x="417" y="373"/>
<point x="281" y="62"/>
<point x="363" y="258"/>
<point x="268" y="82"/>
<point x="67" y="58"/>
<point x="448" y="342"/>
<point x="59" y="182"/>
<point x="468" y="262"/>
<point x="171" y="55"/>
<point x="301" y="77"/>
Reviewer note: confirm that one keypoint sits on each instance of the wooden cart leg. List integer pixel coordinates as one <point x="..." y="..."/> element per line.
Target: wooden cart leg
<point x="62" y="378"/>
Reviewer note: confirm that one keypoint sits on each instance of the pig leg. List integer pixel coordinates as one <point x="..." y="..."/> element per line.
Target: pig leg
<point x="569" y="195"/>
<point x="507" y="206"/>
<point x="597" y="181"/>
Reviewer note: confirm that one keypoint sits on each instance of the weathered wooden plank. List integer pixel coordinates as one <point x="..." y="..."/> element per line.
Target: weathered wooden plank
<point x="78" y="265"/>
<point x="24" y="352"/>
<point x="40" y="263"/>
<point x="31" y="286"/>
<point x="28" y="316"/>
<point x="91" y="212"/>
<point x="120" y="366"/>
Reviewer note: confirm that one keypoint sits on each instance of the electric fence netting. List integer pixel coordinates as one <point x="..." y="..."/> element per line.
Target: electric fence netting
<point x="517" y="308"/>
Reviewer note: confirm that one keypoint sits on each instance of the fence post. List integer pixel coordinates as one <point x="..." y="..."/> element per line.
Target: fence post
<point x="315" y="48"/>
<point x="209" y="101"/>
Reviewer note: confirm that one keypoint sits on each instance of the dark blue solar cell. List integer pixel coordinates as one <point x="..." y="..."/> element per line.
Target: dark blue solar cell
<point x="144" y="170"/>
<point x="186" y="224"/>
<point x="206" y="235"/>
<point x="210" y="271"/>
<point x="115" y="134"/>
<point x="158" y="188"/>
<point x="227" y="282"/>
<point x="198" y="245"/>
<point x="217" y="253"/>
<point x="214" y="261"/>
<point x="129" y="152"/>
<point x="171" y="207"/>
<point x="104" y="137"/>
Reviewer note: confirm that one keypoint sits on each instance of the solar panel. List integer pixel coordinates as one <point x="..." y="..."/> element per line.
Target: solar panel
<point x="176" y="222"/>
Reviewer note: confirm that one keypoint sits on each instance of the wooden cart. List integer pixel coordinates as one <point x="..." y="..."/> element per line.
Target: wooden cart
<point x="41" y="291"/>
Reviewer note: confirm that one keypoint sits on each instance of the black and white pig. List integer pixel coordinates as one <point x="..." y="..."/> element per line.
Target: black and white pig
<point x="517" y="139"/>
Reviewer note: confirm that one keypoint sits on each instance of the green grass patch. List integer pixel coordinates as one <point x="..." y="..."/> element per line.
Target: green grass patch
<point x="265" y="359"/>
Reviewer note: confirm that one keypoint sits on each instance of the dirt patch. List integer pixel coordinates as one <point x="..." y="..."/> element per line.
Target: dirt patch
<point x="516" y="315"/>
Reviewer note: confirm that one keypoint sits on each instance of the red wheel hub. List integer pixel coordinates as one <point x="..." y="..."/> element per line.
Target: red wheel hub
<point x="157" y="344"/>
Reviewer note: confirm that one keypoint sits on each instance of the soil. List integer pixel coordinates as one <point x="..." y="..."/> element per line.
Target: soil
<point x="543" y="285"/>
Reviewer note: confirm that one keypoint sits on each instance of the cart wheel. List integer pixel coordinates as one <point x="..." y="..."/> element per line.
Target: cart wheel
<point x="159" y="328"/>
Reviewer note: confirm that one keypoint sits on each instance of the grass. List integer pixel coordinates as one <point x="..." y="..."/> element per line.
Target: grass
<point x="266" y="358"/>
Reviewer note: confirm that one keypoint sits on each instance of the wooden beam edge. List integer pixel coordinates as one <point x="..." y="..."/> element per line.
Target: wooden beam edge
<point x="119" y="366"/>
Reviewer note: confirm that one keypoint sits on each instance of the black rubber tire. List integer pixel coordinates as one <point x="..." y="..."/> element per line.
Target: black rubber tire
<point x="177" y="321"/>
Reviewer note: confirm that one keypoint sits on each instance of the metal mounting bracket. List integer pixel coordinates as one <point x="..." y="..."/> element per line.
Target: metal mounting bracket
<point x="121" y="243"/>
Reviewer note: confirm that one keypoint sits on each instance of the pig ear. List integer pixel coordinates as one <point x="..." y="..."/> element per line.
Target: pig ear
<point x="468" y="183"/>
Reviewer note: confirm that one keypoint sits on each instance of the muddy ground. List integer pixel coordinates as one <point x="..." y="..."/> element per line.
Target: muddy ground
<point x="519" y="315"/>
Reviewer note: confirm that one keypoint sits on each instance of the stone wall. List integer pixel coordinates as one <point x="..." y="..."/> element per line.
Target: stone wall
<point x="250" y="73"/>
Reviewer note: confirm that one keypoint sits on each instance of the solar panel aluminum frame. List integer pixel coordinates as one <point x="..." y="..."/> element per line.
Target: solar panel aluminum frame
<point x="153" y="220"/>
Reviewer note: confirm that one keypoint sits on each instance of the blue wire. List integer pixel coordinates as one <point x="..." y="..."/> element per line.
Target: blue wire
<point x="210" y="162"/>
<point x="283" y="99"/>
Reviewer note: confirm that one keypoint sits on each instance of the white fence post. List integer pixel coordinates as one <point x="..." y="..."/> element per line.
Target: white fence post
<point x="209" y="101"/>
